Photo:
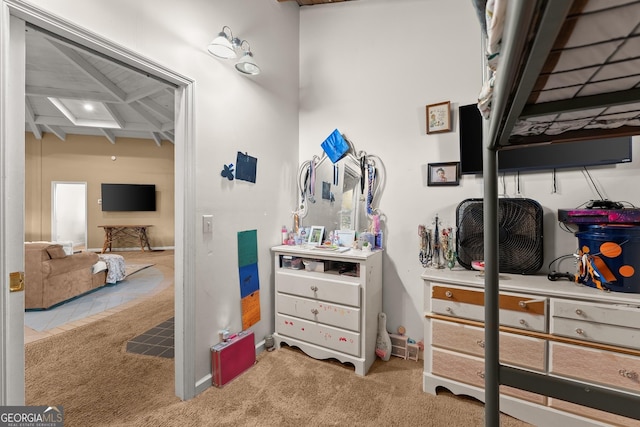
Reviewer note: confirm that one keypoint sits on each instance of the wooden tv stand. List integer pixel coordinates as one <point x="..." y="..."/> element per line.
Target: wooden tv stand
<point x="123" y="232"/>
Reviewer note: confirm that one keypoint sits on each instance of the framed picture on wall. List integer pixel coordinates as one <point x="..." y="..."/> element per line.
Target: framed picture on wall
<point x="439" y="117"/>
<point x="443" y="173"/>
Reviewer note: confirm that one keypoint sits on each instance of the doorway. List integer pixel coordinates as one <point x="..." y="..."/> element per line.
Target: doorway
<point x="69" y="214"/>
<point x="17" y="14"/>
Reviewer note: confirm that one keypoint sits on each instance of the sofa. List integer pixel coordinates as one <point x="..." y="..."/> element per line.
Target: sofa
<point x="52" y="277"/>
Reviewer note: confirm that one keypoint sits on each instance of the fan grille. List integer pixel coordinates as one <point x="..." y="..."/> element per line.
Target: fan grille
<point x="520" y="228"/>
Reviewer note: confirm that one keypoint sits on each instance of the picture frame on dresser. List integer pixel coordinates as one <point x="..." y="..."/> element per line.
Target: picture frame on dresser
<point x="345" y="237"/>
<point x="315" y="235"/>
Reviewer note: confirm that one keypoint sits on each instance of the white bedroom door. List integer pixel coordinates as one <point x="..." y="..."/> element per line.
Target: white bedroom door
<point x="69" y="213"/>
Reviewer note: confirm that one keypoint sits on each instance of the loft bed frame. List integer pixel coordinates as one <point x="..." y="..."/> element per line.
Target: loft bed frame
<point x="539" y="97"/>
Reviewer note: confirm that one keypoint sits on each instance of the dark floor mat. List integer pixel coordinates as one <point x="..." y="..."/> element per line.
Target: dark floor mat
<point x="157" y="341"/>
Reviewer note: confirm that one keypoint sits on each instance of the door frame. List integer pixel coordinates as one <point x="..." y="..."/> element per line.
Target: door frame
<point x="13" y="15"/>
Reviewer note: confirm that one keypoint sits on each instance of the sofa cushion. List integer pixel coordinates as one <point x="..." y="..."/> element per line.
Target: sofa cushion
<point x="80" y="261"/>
<point x="56" y="251"/>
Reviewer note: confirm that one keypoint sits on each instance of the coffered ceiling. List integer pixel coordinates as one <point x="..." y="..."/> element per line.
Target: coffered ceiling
<point x="70" y="90"/>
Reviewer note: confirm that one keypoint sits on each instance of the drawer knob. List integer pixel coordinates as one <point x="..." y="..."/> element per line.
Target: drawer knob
<point x="448" y="294"/>
<point x="314" y="288"/>
<point x="524" y="304"/>
<point x="523" y="322"/>
<point x="480" y="343"/>
<point x="480" y="374"/>
<point x="579" y="312"/>
<point x="315" y="311"/>
<point x="632" y="375"/>
<point x="449" y="310"/>
<point x="579" y="331"/>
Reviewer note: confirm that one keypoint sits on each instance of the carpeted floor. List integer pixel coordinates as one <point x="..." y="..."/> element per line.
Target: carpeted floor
<point x="129" y="269"/>
<point x="89" y="372"/>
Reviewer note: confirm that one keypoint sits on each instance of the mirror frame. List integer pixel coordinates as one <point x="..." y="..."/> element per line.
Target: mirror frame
<point x="363" y="210"/>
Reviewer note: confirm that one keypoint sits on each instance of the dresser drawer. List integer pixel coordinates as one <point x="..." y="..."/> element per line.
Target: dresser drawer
<point x="596" y="366"/>
<point x="325" y="287"/>
<point x="610" y="324"/>
<point x="338" y="315"/>
<point x="518" y="311"/>
<point x="470" y="370"/>
<point x="515" y="350"/>
<point x="596" y="332"/>
<point x="611" y="314"/>
<point x="596" y="414"/>
<point x="316" y="333"/>
<point x="508" y="301"/>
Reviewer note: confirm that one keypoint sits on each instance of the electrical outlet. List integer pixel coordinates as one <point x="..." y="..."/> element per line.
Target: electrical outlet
<point x="207" y="223"/>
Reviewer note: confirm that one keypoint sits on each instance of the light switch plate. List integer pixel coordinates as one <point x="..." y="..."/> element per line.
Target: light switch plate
<point x="207" y="223"/>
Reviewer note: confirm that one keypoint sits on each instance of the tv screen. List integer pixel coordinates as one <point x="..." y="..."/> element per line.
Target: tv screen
<point x="575" y="154"/>
<point x="128" y="197"/>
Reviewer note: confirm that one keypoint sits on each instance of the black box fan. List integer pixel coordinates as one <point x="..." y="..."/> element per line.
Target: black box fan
<point x="520" y="228"/>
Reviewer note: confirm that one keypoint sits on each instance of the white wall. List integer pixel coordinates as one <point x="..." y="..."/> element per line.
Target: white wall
<point x="257" y="115"/>
<point x="368" y="68"/>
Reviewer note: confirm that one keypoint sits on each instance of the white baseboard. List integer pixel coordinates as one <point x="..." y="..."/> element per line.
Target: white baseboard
<point x="204" y="383"/>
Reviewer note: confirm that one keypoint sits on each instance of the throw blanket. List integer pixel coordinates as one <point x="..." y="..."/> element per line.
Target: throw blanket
<point x="492" y="16"/>
<point x="116" y="267"/>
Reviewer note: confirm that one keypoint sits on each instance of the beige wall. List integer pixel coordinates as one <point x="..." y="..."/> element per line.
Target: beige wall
<point x="88" y="159"/>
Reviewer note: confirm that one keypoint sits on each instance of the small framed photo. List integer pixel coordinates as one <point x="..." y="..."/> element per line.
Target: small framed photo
<point x="315" y="235"/>
<point x="439" y="117"/>
<point x="345" y="237"/>
<point x="443" y="173"/>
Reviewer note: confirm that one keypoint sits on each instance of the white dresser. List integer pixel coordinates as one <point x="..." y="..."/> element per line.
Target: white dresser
<point x="560" y="329"/>
<point x="328" y="308"/>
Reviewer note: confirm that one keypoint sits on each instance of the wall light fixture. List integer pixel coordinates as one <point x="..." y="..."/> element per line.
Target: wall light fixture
<point x="226" y="46"/>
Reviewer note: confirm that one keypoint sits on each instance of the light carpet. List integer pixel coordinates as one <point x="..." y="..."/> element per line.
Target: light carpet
<point x="129" y="269"/>
<point x="89" y="372"/>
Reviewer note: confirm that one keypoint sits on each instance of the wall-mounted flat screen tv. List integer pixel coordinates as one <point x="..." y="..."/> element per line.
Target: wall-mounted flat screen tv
<point x="128" y="197"/>
<point x="576" y="154"/>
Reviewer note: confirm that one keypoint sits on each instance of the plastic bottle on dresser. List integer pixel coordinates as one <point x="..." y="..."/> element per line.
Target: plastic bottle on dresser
<point x="285" y="235"/>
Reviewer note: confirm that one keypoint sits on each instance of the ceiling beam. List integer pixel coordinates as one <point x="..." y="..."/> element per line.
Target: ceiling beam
<point x="154" y="106"/>
<point x="63" y="122"/>
<point x="31" y="119"/>
<point x="46" y="92"/>
<point x="144" y="92"/>
<point x="57" y="131"/>
<point x="157" y="138"/>
<point x="116" y="115"/>
<point x="109" y="134"/>
<point x="169" y="126"/>
<point x="168" y="136"/>
<point x="91" y="71"/>
<point x="146" y="115"/>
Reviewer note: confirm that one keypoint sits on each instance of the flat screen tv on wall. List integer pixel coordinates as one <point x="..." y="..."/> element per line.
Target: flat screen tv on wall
<point x="128" y="197"/>
<point x="575" y="154"/>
